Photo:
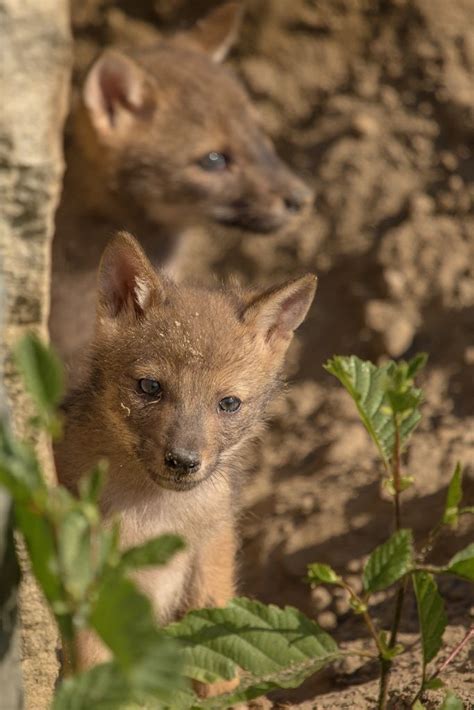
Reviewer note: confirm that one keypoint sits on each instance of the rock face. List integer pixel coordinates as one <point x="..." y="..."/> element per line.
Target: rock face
<point x="10" y="677"/>
<point x="35" y="64"/>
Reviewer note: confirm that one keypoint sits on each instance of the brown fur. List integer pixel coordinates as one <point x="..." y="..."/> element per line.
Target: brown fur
<point x="202" y="346"/>
<point x="145" y="120"/>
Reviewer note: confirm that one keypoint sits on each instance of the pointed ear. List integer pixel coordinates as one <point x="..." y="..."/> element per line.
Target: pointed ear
<point x="127" y="282"/>
<point x="277" y="313"/>
<point x="117" y="93"/>
<point x="216" y="33"/>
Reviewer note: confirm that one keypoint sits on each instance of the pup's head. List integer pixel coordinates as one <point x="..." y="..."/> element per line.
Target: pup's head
<point x="176" y="138"/>
<point x="185" y="374"/>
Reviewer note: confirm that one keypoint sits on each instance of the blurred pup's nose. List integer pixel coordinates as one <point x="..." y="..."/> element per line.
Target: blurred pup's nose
<point x="182" y="461"/>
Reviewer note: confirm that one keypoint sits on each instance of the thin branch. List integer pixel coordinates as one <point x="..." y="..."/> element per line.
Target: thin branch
<point x="456" y="650"/>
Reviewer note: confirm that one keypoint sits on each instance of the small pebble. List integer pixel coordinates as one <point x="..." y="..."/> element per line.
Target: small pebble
<point x="355" y="583"/>
<point x="321" y="598"/>
<point x="354" y="566"/>
<point x="327" y="620"/>
<point x="307" y="503"/>
<point x="342" y="606"/>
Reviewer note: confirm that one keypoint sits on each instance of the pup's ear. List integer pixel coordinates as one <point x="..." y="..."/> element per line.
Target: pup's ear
<point x="277" y="313"/>
<point x="117" y="94"/>
<point x="127" y="282"/>
<point x="217" y="32"/>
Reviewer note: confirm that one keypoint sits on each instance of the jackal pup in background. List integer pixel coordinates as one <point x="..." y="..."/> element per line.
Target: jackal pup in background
<point x="163" y="139"/>
<point x="178" y="380"/>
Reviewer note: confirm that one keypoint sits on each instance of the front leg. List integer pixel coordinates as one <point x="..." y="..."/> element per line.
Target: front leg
<point x="213" y="584"/>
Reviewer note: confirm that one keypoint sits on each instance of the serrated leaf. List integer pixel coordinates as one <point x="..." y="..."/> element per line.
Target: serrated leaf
<point x="41" y="371"/>
<point x="389" y="562"/>
<point x="369" y="386"/>
<point x="431" y="615"/>
<point x="278" y="647"/>
<point x="462" y="564"/>
<point x="453" y="497"/>
<point x="451" y="702"/>
<point x="157" y="551"/>
<point x="318" y="572"/>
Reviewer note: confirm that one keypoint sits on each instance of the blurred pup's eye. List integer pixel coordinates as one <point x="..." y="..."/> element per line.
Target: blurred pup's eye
<point x="214" y="162"/>
<point x="229" y="404"/>
<point x="150" y="387"/>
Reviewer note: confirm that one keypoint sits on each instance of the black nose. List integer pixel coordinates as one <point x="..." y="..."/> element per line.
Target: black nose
<point x="296" y="200"/>
<point x="182" y="461"/>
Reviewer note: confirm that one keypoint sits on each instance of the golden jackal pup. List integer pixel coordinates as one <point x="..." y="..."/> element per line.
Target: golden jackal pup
<point x="164" y="138"/>
<point x="178" y="380"/>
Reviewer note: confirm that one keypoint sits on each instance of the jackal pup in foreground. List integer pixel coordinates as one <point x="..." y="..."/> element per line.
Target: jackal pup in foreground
<point x="178" y="380"/>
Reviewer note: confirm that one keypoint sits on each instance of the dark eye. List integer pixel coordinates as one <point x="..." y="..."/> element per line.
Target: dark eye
<point x="230" y="404"/>
<point x="214" y="162"/>
<point x="150" y="387"/>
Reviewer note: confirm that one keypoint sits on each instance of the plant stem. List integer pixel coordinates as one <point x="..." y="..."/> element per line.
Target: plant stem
<point x="398" y="612"/>
<point x="71" y="661"/>
<point x="456" y="650"/>
<point x="365" y="615"/>
<point x="396" y="474"/>
<point x="386" y="663"/>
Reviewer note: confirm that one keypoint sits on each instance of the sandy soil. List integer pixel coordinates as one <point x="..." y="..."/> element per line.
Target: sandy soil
<point x="373" y="102"/>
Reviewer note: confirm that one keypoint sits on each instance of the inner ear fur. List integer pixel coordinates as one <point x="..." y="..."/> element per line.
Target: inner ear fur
<point x="117" y="92"/>
<point x="217" y="32"/>
<point x="278" y="312"/>
<point x="127" y="282"/>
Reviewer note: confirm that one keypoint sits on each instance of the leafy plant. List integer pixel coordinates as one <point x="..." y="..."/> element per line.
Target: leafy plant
<point x="85" y="576"/>
<point x="388" y="404"/>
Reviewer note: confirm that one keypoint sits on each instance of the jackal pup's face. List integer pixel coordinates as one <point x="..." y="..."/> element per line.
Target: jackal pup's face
<point x="177" y="138"/>
<point x="185" y="374"/>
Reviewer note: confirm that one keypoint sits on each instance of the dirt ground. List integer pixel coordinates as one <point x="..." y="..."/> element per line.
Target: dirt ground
<point x="373" y="103"/>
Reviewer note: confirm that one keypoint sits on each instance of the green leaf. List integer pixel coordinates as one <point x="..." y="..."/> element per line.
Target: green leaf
<point x="389" y="652"/>
<point x="462" y="564"/>
<point x="41" y="545"/>
<point x="379" y="393"/>
<point x="124" y="620"/>
<point x="416" y="364"/>
<point x="42" y="373"/>
<point x="453" y="497"/>
<point x="433" y="684"/>
<point x="104" y="687"/>
<point x="19" y="468"/>
<point x="451" y="702"/>
<point x="318" y="572"/>
<point x="277" y="647"/>
<point x="90" y="487"/>
<point x="157" y="551"/>
<point x="417" y="705"/>
<point x="431" y="615"/>
<point x="389" y="562"/>
<point x="75" y="553"/>
<point x="405" y="482"/>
